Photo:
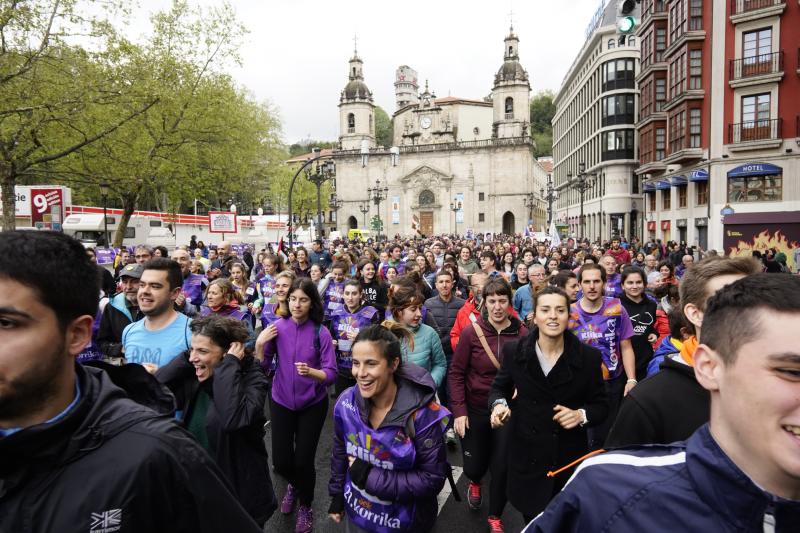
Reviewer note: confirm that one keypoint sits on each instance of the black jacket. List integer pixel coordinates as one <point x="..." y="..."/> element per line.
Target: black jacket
<point x="234" y="423"/>
<point x="375" y="293"/>
<point x="537" y="443"/>
<point x="643" y="322"/>
<point x="112" y="324"/>
<point x="445" y="314"/>
<point x="113" y="463"/>
<point x="666" y="407"/>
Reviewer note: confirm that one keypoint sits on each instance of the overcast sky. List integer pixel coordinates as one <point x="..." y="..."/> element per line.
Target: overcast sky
<point x="296" y="53"/>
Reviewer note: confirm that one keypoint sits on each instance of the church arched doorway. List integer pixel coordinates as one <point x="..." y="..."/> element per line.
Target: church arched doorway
<point x="352" y="222"/>
<point x="508" y="223"/>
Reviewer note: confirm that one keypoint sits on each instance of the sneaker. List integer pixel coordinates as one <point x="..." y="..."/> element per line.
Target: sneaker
<point x="305" y="520"/>
<point x="474" y="498"/>
<point x="495" y="525"/>
<point x="450" y="437"/>
<point x="287" y="504"/>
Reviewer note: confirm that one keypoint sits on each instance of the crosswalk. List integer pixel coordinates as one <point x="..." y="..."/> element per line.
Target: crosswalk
<point x="444" y="494"/>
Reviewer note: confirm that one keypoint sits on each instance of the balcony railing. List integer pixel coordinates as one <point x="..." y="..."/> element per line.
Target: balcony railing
<point x="754" y="130"/>
<point x="743" y="6"/>
<point x="748" y="67"/>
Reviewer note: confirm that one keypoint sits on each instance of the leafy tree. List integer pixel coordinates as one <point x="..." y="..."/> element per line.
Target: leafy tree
<point x="383" y="128"/>
<point x="305" y="146"/>
<point x="542" y="111"/>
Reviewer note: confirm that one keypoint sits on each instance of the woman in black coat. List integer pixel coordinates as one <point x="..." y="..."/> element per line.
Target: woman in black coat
<point x="220" y="393"/>
<point x="550" y="389"/>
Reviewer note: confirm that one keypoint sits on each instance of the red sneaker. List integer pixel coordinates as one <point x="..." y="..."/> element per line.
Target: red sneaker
<point x="495" y="525"/>
<point x="474" y="498"/>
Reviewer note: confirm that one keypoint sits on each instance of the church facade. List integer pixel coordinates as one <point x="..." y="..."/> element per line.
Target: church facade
<point x="457" y="165"/>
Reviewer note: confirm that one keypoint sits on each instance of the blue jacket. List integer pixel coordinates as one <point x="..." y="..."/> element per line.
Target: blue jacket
<point x="523" y="301"/>
<point x="685" y="486"/>
<point x="427" y="352"/>
<point x="664" y="350"/>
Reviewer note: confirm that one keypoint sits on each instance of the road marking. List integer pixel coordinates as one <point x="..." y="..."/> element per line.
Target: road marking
<point x="444" y="495"/>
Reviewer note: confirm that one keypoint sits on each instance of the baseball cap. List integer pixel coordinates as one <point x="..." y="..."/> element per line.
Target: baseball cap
<point x="134" y="270"/>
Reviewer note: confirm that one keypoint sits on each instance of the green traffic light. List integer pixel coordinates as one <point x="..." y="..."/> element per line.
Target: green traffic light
<point x="626" y="24"/>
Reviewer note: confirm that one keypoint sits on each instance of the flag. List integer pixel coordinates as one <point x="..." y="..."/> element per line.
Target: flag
<point x="280" y="246"/>
<point x="555" y="238"/>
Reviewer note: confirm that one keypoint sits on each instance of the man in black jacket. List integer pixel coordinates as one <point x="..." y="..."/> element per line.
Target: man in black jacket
<point x="76" y="453"/>
<point x="122" y="309"/>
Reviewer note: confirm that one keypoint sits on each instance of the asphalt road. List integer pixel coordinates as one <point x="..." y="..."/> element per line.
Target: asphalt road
<point x="453" y="515"/>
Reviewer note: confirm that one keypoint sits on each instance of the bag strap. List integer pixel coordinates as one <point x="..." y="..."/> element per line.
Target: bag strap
<point x="482" y="338"/>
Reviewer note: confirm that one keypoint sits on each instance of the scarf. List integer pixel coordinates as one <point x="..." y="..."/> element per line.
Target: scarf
<point x="687" y="351"/>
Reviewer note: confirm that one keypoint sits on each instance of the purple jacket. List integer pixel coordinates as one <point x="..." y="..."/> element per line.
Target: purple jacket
<point x="295" y="344"/>
<point x="418" y="486"/>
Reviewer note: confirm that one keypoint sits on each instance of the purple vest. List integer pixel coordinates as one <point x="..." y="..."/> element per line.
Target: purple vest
<point x="333" y="299"/>
<point x="92" y="351"/>
<point x="193" y="288"/>
<point x="342" y="323"/>
<point x="614" y="286"/>
<point x="600" y="331"/>
<point x="387" y="447"/>
<point x="227" y="311"/>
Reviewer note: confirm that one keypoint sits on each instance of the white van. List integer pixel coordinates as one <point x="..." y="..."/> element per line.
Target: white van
<point x="89" y="229"/>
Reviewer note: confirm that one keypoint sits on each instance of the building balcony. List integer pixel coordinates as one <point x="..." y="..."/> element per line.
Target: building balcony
<point x="681" y="152"/>
<point x="755" y="134"/>
<point x="747" y="10"/>
<point x="656" y="116"/>
<point x="684" y="96"/>
<point x="650" y="69"/>
<point x="683" y="40"/>
<point x="651" y="167"/>
<point x="765" y="68"/>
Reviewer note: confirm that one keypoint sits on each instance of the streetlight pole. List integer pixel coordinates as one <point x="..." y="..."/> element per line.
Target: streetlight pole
<point x="581" y="183"/>
<point x="291" y="187"/>
<point x="104" y="193"/>
<point x="334" y="205"/>
<point x="378" y="194"/>
<point x="322" y="174"/>
<point x="529" y="202"/>
<point x="364" y="208"/>
<point x="454" y="207"/>
<point x="550" y="194"/>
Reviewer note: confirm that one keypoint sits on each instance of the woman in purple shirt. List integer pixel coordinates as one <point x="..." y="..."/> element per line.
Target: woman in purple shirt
<point x="306" y="365"/>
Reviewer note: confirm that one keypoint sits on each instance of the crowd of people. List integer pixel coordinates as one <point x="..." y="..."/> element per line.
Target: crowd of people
<point x="593" y="386"/>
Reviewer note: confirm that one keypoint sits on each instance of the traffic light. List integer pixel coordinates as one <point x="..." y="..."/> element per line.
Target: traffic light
<point x="626" y="18"/>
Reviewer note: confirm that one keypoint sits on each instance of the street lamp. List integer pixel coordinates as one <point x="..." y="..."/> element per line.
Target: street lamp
<point x="455" y="206"/>
<point x="334" y="204"/>
<point x="104" y="193"/>
<point x="550" y="194"/>
<point x="530" y="203"/>
<point x="581" y="183"/>
<point x="317" y="157"/>
<point x="322" y="173"/>
<point x="378" y="194"/>
<point x="364" y="208"/>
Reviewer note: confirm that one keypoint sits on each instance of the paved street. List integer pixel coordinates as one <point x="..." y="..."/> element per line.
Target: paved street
<point x="453" y="515"/>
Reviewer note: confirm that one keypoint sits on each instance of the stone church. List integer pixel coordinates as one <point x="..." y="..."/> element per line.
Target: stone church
<point x="457" y="165"/>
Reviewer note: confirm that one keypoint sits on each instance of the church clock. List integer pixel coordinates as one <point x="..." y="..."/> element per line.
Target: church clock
<point x="425" y="122"/>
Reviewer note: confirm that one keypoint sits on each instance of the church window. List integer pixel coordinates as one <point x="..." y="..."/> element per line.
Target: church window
<point x="509" y="107"/>
<point x="426" y="197"/>
<point x="351" y="123"/>
<point x="370" y="124"/>
<point x="480" y="196"/>
<point x="511" y="50"/>
<point x="354" y="72"/>
<point x="612" y="43"/>
<point x="481" y="217"/>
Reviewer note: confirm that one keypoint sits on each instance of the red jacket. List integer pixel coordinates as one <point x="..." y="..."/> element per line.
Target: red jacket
<point x="472" y="372"/>
<point x="622" y="255"/>
<point x="462" y="319"/>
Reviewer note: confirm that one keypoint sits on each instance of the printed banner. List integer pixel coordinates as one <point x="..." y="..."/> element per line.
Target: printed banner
<point x="744" y="239"/>
<point x="460" y="205"/>
<point x="395" y="210"/>
<point x="222" y="222"/>
<point x="47" y="208"/>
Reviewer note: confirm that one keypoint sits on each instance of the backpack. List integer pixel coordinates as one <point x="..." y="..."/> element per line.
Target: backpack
<point x="411" y="432"/>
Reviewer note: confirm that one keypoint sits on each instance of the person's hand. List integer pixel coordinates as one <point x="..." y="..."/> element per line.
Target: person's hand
<point x="180" y="300"/>
<point x="236" y="349"/>
<point x="336" y="517"/>
<point x="351" y="335"/>
<point x="266" y="335"/>
<point x="350" y="460"/>
<point x="256" y="308"/>
<point x="461" y="425"/>
<point x="302" y="369"/>
<point x="150" y="367"/>
<point x="500" y="414"/>
<point x="567" y="418"/>
<point x="250" y="306"/>
<point x="628" y="386"/>
<point x="529" y="316"/>
<point x="652" y="338"/>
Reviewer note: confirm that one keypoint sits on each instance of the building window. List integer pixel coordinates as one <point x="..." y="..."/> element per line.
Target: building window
<point x="619" y="74"/>
<point x="618" y="109"/>
<point x="661" y="44"/>
<point x="695" y="69"/>
<point x="755" y="189"/>
<point x="682" y="196"/>
<point x="426" y="197"/>
<point x="612" y="43"/>
<point x="480" y="196"/>
<point x="677" y="131"/>
<point x="695" y="15"/>
<point x="701" y="190"/>
<point x="661" y="142"/>
<point x="652" y="201"/>
<point x="695" y="127"/>
<point x="509" y="107"/>
<point x="631" y="41"/>
<point x="755" y="110"/>
<point x="757" y="43"/>
<point x="666" y="199"/>
<point x="618" y="144"/>
<point x="661" y="93"/>
<point x="481" y="217"/>
<point x="677" y="20"/>
<point x="351" y="123"/>
<point x="677" y="76"/>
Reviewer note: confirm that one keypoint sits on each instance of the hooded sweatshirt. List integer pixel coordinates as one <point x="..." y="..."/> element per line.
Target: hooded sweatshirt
<point x="396" y="473"/>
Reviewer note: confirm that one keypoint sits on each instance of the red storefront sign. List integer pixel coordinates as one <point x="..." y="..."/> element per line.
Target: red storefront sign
<point x="665" y="225"/>
<point x="47" y="208"/>
<point x="651" y="226"/>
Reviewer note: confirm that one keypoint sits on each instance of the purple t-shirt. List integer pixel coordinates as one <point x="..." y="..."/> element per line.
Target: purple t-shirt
<point x="605" y="330"/>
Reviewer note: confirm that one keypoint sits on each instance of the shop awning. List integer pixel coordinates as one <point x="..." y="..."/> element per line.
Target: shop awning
<point x="701" y="174"/>
<point x="754" y="169"/>
<point x="662" y="185"/>
<point x="677" y="181"/>
<point x="649" y="187"/>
